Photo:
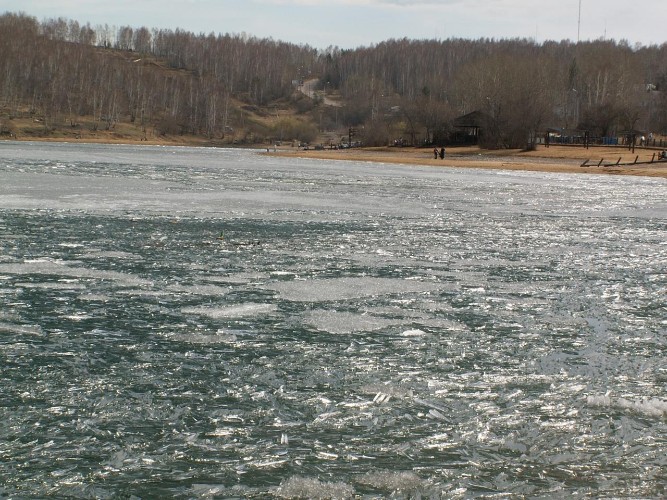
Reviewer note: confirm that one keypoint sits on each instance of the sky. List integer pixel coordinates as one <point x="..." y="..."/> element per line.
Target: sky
<point x="350" y="24"/>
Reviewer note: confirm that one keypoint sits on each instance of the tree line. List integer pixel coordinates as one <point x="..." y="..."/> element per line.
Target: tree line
<point x="214" y="85"/>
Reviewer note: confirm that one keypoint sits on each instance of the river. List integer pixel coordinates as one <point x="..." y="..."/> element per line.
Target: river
<point x="211" y="323"/>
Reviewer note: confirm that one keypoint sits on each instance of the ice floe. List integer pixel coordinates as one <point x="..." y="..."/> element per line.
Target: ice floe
<point x="235" y="311"/>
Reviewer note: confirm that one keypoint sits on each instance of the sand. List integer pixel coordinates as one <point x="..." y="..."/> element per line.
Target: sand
<point x="565" y="159"/>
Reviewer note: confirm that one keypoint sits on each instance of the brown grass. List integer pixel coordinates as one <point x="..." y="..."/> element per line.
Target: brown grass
<point x="28" y="129"/>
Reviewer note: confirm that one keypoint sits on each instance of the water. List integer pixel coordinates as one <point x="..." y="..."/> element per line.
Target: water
<point x="359" y="330"/>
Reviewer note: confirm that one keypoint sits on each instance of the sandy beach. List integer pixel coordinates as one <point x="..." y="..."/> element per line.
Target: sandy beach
<point x="566" y="159"/>
<point x="603" y="160"/>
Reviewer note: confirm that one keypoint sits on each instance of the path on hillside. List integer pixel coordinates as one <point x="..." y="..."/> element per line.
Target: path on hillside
<point x="308" y="88"/>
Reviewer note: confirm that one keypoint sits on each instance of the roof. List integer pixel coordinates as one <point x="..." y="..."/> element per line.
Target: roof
<point x="474" y="119"/>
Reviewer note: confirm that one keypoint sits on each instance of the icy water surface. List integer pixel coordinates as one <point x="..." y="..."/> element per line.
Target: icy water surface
<point x="206" y="323"/>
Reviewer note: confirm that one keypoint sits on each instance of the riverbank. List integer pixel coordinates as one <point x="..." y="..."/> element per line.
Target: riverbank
<point x="605" y="160"/>
<point x="564" y="159"/>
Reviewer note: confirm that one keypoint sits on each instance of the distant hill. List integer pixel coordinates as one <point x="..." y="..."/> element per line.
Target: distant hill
<point x="60" y="79"/>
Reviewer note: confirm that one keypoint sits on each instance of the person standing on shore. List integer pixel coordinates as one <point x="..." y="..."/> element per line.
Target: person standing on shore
<point x="442" y="153"/>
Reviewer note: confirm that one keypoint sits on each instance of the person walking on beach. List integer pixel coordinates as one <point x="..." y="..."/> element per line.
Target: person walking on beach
<point x="442" y="153"/>
<point x="435" y="153"/>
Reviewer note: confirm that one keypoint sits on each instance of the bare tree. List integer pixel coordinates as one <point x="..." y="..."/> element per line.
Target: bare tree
<point x="197" y="83"/>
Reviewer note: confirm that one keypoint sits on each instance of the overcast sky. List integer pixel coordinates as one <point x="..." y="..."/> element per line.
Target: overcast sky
<point x="356" y="23"/>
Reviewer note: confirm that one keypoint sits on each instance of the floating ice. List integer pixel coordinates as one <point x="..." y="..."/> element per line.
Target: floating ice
<point x="435" y="414"/>
<point x="268" y="464"/>
<point x="200" y="289"/>
<point x="77" y="317"/>
<point x="303" y="487"/>
<point x="319" y="290"/>
<point x="346" y="322"/>
<point x="237" y="311"/>
<point x="198" y="338"/>
<point x="95" y="297"/>
<point x="20" y="329"/>
<point x="54" y="268"/>
<point x="112" y="254"/>
<point x="652" y="407"/>
<point x="405" y="482"/>
<point x="237" y="279"/>
<point x="413" y="333"/>
<point x="59" y="285"/>
<point x="207" y="491"/>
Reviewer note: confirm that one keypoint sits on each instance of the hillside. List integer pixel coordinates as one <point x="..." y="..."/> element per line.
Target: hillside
<point x="248" y="124"/>
<point x="62" y="80"/>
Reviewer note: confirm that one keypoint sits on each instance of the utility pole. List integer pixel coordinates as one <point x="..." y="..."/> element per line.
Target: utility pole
<point x="579" y="23"/>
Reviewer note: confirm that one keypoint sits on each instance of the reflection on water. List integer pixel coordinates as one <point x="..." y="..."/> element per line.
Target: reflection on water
<point x="210" y="323"/>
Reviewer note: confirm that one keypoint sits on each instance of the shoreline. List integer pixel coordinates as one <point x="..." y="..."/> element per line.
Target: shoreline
<point x="554" y="159"/>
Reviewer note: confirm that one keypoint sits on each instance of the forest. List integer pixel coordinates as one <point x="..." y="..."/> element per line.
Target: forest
<point x="61" y="78"/>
